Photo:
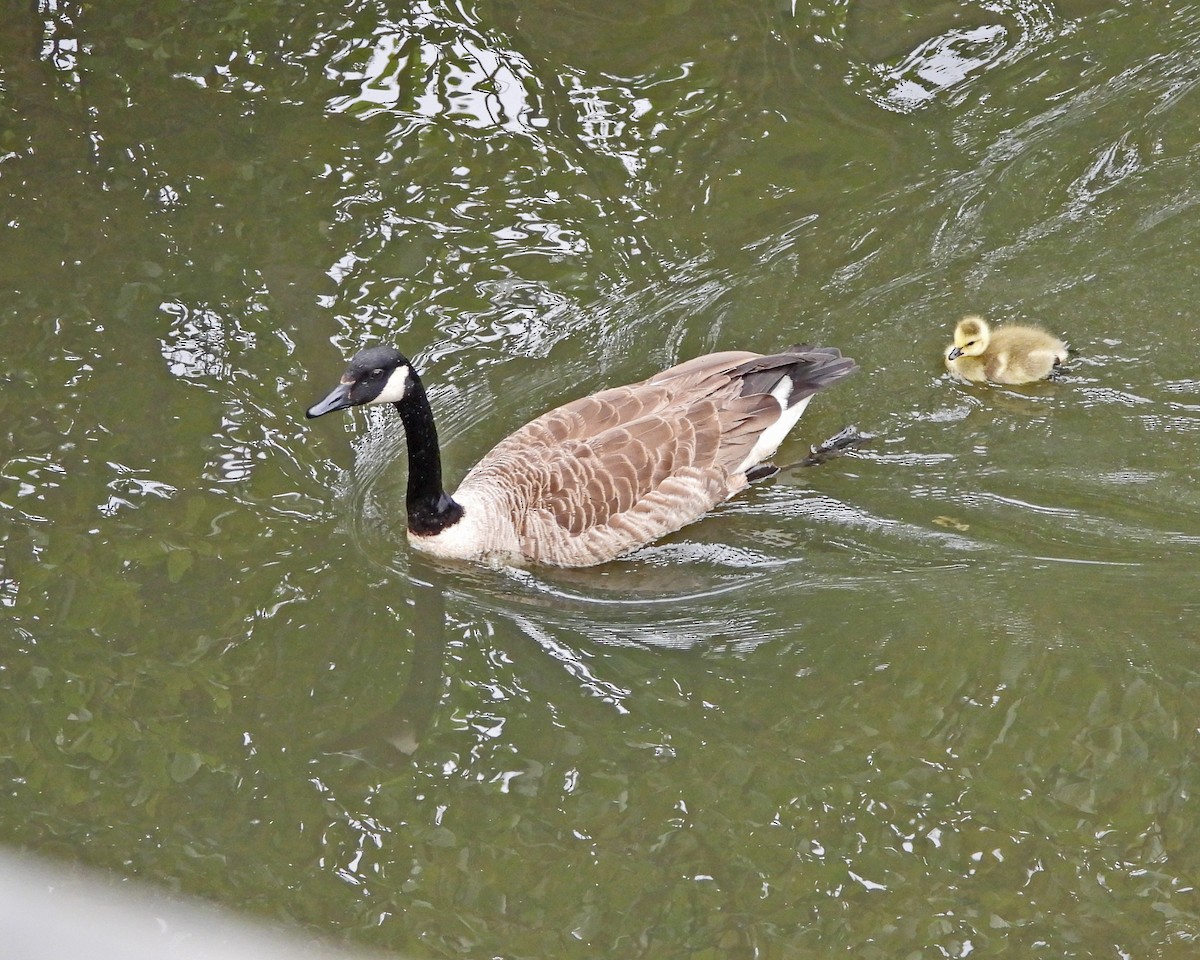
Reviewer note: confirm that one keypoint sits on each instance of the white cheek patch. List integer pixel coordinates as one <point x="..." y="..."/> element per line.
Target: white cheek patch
<point x="397" y="384"/>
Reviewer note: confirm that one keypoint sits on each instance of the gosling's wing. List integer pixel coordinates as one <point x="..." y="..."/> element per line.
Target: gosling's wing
<point x="1020" y="354"/>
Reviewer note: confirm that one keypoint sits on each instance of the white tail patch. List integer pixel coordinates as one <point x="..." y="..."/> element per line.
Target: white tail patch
<point x="770" y="439"/>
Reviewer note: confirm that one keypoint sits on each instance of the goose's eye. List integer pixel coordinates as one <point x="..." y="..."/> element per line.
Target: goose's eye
<point x="376" y="373"/>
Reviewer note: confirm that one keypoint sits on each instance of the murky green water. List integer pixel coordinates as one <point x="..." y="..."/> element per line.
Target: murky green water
<point x="936" y="698"/>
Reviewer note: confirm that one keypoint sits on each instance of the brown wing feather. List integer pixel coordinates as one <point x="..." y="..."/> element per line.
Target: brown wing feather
<point x="575" y="490"/>
<point x="614" y="471"/>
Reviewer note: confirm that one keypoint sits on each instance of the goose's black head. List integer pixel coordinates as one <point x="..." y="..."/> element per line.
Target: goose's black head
<point x="375" y="375"/>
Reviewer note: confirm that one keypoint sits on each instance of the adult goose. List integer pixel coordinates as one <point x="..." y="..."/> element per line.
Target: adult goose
<point x="1010" y="354"/>
<point x="597" y="477"/>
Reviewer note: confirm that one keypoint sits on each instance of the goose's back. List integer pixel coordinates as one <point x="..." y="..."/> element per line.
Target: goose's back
<point x="597" y="477"/>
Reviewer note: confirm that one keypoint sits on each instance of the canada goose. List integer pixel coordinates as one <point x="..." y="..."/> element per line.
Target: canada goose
<point x="600" y="476"/>
<point x="1008" y="354"/>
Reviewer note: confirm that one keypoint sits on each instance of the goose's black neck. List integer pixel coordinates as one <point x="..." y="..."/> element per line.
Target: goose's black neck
<point x="430" y="509"/>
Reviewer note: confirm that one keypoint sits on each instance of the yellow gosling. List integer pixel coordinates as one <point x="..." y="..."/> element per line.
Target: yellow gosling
<point x="1008" y="354"/>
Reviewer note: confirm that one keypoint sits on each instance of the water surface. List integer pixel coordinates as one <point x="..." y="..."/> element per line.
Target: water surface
<point x="934" y="698"/>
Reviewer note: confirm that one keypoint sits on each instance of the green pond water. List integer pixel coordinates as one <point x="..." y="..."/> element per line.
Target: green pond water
<point x="937" y="698"/>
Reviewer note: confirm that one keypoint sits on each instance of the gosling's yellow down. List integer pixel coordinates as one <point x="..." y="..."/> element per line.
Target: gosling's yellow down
<point x="1008" y="354"/>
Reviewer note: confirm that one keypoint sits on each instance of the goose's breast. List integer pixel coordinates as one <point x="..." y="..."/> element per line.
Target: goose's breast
<point x="485" y="532"/>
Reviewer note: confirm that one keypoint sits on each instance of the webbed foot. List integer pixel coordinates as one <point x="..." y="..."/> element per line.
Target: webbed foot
<point x="845" y="439"/>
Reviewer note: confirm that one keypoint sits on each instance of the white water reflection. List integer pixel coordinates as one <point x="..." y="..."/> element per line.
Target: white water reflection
<point x="944" y="63"/>
<point x="936" y="66"/>
<point x="431" y="67"/>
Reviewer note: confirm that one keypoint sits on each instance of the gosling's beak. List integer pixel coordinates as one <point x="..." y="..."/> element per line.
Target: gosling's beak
<point x="338" y="399"/>
<point x="954" y="354"/>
